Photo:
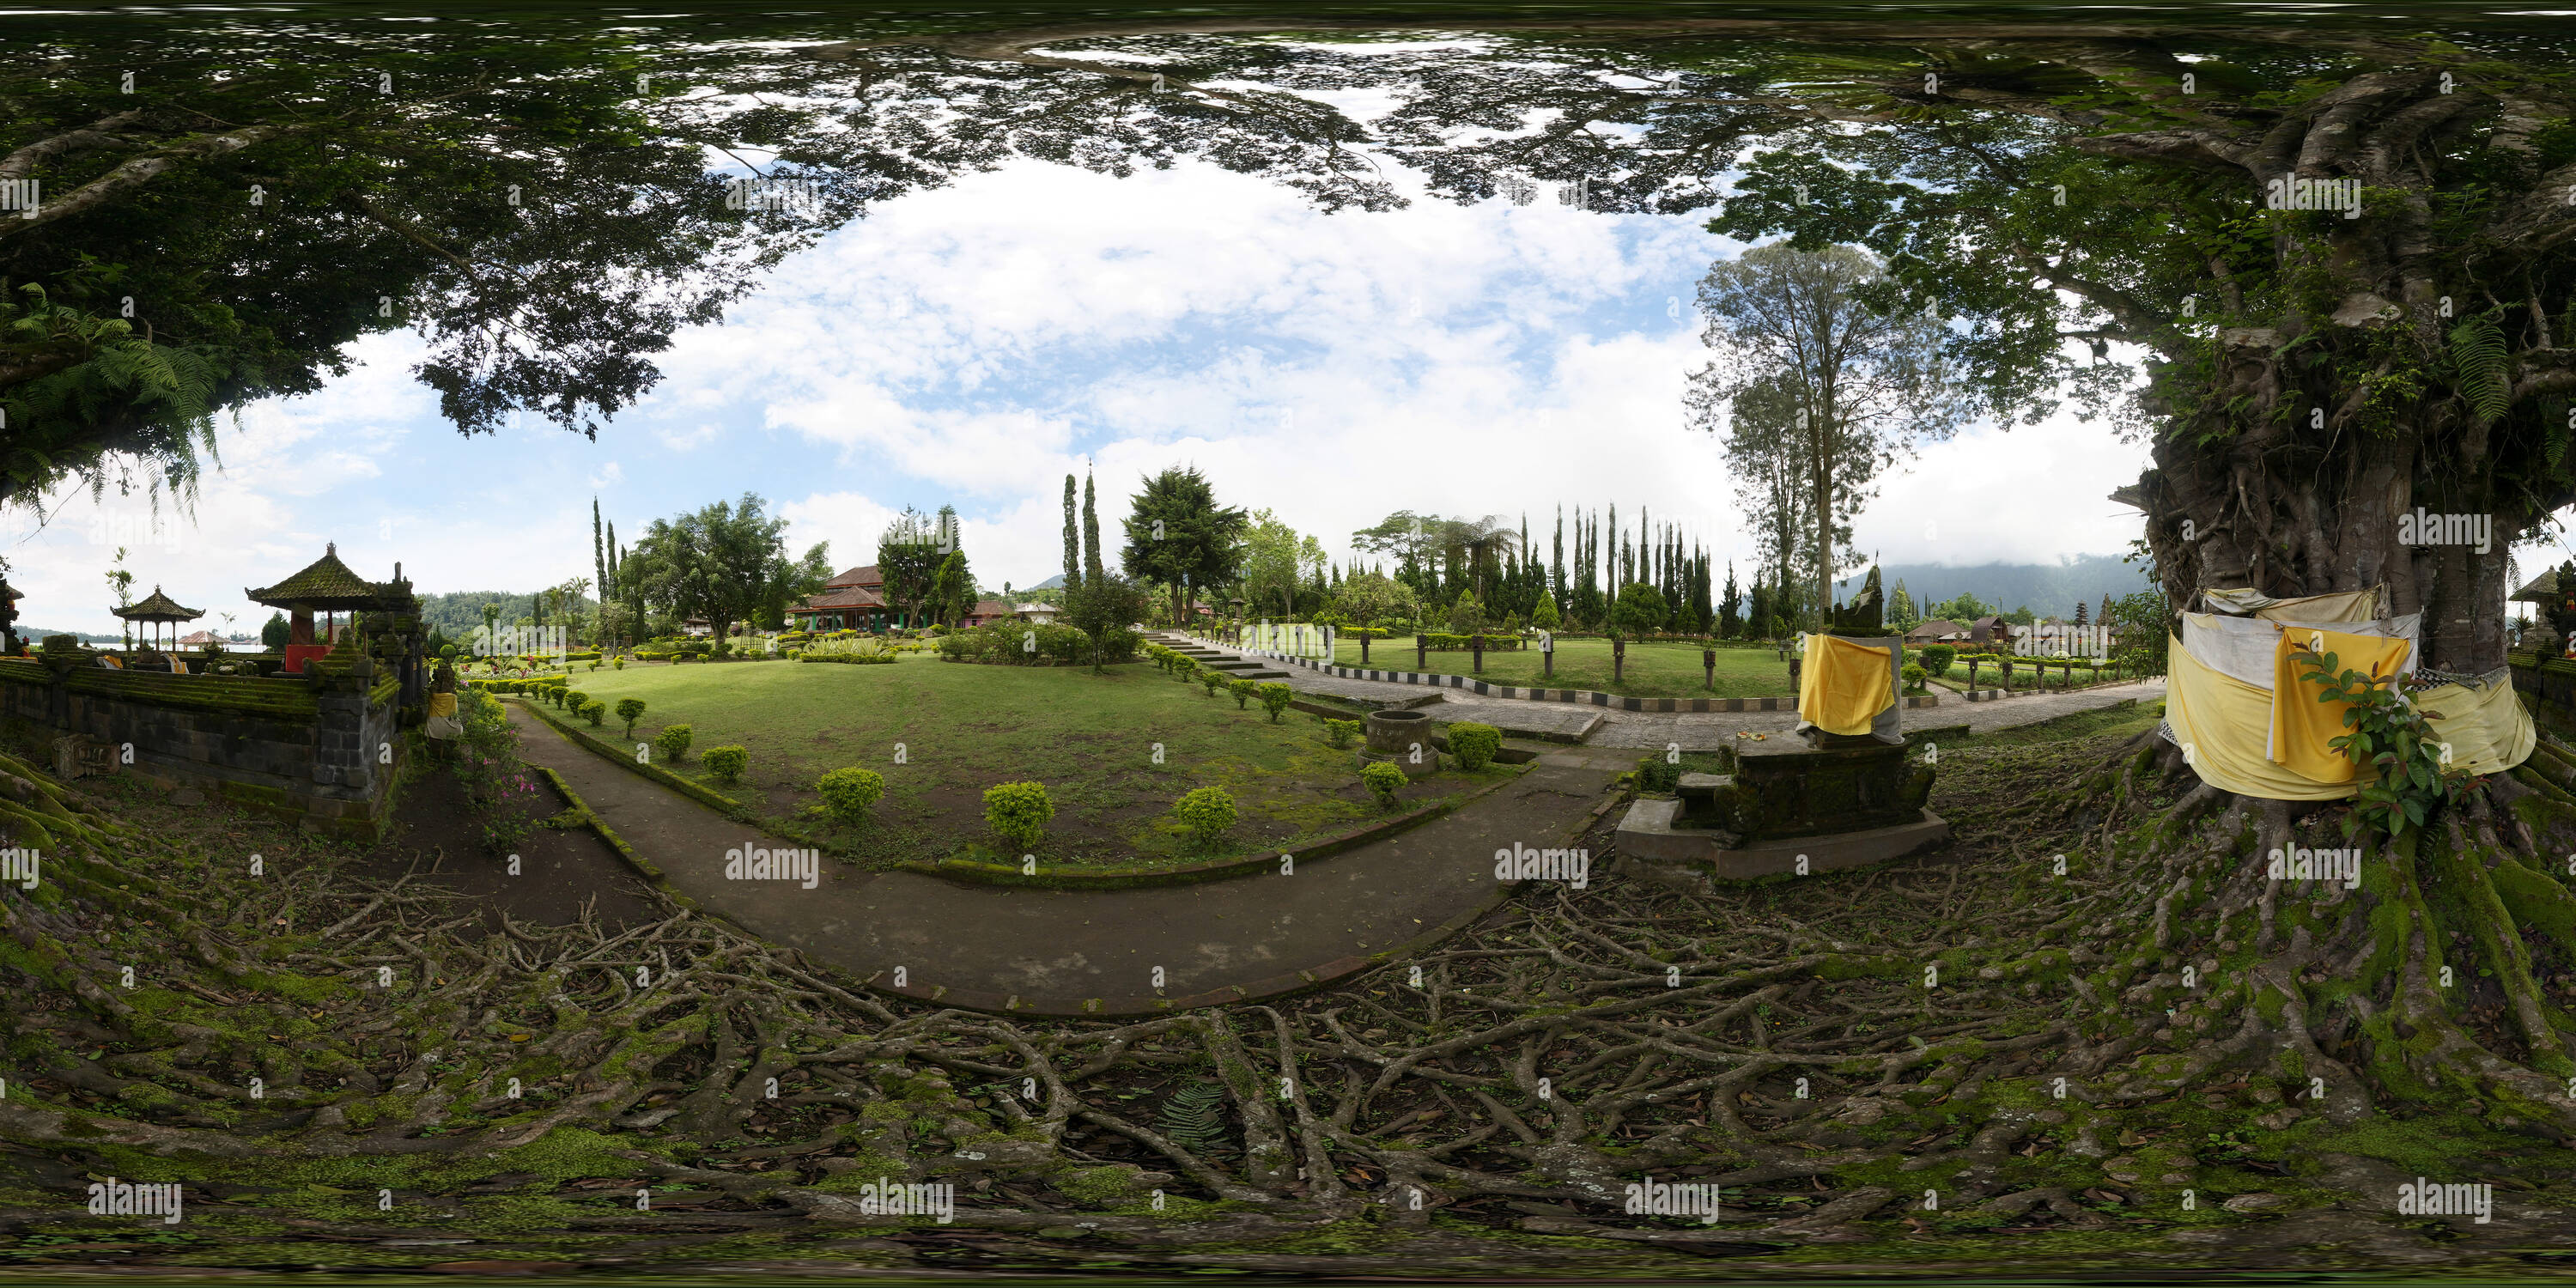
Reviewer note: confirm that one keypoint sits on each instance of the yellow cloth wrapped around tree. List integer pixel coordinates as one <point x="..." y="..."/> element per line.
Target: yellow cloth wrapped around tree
<point x="442" y="706"/>
<point x="2303" y="726"/>
<point x="1843" y="686"/>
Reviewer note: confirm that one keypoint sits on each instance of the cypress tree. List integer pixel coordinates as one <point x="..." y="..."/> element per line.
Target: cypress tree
<point x="1090" y="532"/>
<point x="1072" y="542"/>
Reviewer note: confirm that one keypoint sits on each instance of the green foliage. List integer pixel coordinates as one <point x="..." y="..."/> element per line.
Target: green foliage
<point x="1913" y="674"/>
<point x="1018" y="811"/>
<point x="593" y="710"/>
<point x="1275" y="698"/>
<point x="864" y="651"/>
<point x="728" y="762"/>
<point x="1212" y="679"/>
<point x="1193" y="1116"/>
<point x="1017" y="643"/>
<point x="849" y="793"/>
<point x="1338" y="733"/>
<point x="1207" y="811"/>
<point x="1545" y="616"/>
<point x="1937" y="658"/>
<point x="1473" y="744"/>
<point x="2479" y="366"/>
<point x="1243" y="691"/>
<point x="630" y="710"/>
<point x="572" y="700"/>
<point x="2391" y="741"/>
<point x="673" y="741"/>
<point x="1641" y="609"/>
<point x="1383" y="780"/>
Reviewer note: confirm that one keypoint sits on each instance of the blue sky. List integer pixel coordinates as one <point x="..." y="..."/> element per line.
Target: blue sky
<point x="969" y="345"/>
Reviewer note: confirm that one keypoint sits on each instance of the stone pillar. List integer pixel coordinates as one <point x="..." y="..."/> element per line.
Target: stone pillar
<point x="1421" y="652"/>
<point x="1618" y="660"/>
<point x="1708" y="666"/>
<point x="1476" y="642"/>
<point x="1364" y="639"/>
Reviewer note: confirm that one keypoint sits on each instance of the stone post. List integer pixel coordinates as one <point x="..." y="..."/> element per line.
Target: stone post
<point x="1421" y="652"/>
<point x="340" y="754"/>
<point x="1708" y="666"/>
<point x="1547" y="658"/>
<point x="1477" y="643"/>
<point x="1618" y="660"/>
<point x="1364" y="639"/>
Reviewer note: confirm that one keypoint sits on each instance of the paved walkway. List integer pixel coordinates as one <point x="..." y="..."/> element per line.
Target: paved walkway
<point x="1699" y="730"/>
<point x="1095" y="952"/>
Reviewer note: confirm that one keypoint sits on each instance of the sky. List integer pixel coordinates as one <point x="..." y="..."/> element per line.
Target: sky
<point x="970" y="345"/>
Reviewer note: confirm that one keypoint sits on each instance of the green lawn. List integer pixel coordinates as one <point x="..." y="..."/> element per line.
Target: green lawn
<point x="1653" y="670"/>
<point x="1089" y="738"/>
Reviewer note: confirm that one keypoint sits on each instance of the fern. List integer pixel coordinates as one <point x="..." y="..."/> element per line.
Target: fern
<point x="2477" y="354"/>
<point x="1194" y="1116"/>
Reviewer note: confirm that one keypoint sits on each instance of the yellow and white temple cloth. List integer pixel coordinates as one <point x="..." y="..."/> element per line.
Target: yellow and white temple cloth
<point x="2227" y="674"/>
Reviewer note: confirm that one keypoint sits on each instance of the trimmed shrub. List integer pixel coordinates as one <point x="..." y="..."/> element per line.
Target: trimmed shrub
<point x="1383" y="781"/>
<point x="619" y="665"/>
<point x="1338" y="733"/>
<point x="572" y="700"/>
<point x="1937" y="658"/>
<point x="1913" y="678"/>
<point x="673" y="741"/>
<point x="1018" y="811"/>
<point x="1212" y="680"/>
<point x="1208" y="812"/>
<point x="1244" y="692"/>
<point x="593" y="710"/>
<point x="727" y="762"/>
<point x="630" y="710"/>
<point x="1474" y="744"/>
<point x="848" y="793"/>
<point x="1275" y="698"/>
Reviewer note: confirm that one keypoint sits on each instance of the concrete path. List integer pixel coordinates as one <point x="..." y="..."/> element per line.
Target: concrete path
<point x="1097" y="952"/>
<point x="1701" y="730"/>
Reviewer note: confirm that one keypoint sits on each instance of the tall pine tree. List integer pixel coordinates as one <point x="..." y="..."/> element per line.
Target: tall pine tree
<point x="1072" y="543"/>
<point x="1091" y="569"/>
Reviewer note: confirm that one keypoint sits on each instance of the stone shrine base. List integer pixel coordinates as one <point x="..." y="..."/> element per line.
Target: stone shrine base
<point x="1651" y="846"/>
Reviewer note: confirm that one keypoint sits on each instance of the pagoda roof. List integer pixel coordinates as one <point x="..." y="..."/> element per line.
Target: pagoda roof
<point x="326" y="583"/>
<point x="157" y="607"/>
<point x="2542" y="589"/>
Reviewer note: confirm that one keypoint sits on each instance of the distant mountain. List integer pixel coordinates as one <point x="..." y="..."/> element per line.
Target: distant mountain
<point x="1052" y="583"/>
<point x="2046" y="589"/>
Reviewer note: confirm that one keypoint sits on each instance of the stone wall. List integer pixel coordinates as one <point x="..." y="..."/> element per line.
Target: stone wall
<point x="2547" y="686"/>
<point x="313" y="749"/>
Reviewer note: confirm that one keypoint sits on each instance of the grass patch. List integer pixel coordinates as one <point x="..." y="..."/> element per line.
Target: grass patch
<point x="1091" y="739"/>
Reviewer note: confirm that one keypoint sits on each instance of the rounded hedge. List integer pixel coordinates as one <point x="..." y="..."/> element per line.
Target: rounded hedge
<point x="1207" y="811"/>
<point x="1018" y="811"/>
<point x="1383" y="780"/>
<point x="1473" y="745"/>
<point x="727" y="762"/>
<point x="848" y="793"/>
<point x="673" y="741"/>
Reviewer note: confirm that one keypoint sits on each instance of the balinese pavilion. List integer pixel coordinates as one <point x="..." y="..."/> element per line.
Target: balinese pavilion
<point x="157" y="609"/>
<point x="328" y="587"/>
